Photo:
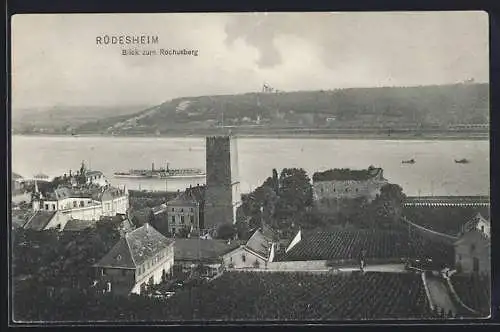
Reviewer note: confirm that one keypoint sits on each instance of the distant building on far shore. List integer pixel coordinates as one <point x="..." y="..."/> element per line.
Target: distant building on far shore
<point x="337" y="184"/>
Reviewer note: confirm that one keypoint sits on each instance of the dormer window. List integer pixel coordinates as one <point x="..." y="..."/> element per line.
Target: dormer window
<point x="482" y="228"/>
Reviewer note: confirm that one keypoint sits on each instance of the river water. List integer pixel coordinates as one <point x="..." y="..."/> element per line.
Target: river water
<point x="434" y="173"/>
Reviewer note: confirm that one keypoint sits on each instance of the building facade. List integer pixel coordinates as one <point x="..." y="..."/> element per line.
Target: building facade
<point x="256" y="253"/>
<point x="183" y="214"/>
<point x="331" y="186"/>
<point x="90" y="203"/>
<point x="222" y="194"/>
<point x="141" y="258"/>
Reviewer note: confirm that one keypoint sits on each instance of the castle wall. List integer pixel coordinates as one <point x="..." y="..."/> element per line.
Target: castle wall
<point x="327" y="193"/>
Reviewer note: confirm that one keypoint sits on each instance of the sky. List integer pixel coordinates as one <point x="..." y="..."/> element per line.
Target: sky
<point x="56" y="60"/>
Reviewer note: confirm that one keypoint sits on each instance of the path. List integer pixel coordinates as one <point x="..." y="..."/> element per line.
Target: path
<point x="440" y="295"/>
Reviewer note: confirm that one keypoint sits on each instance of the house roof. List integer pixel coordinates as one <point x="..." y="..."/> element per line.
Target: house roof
<point x="39" y="220"/>
<point x="135" y="248"/>
<point x="260" y="244"/>
<point x="19" y="218"/>
<point x="76" y="225"/>
<point x="347" y="244"/>
<point x="196" y="249"/>
<point x="472" y="223"/>
<point x="346" y="174"/>
<point x="110" y="192"/>
<point x="473" y="236"/>
<point x="182" y="200"/>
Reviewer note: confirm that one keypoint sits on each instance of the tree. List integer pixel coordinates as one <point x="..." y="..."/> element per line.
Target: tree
<point x="295" y="191"/>
<point x="226" y="232"/>
<point x="387" y="207"/>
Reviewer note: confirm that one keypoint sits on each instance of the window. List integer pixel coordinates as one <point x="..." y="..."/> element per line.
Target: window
<point x="459" y="257"/>
<point x="108" y="287"/>
<point x="191" y="209"/>
<point x="103" y="272"/>
<point x="172" y="209"/>
<point x="46" y="206"/>
<point x="357" y="190"/>
<point x="191" y="218"/>
<point x="333" y="189"/>
<point x="472" y="247"/>
<point x="346" y="189"/>
<point x="75" y="204"/>
<point x="182" y="210"/>
<point x="173" y="219"/>
<point x="243" y="258"/>
<point x="53" y="206"/>
<point x="482" y="228"/>
<point x="173" y="230"/>
<point x="182" y="219"/>
<point x="82" y="203"/>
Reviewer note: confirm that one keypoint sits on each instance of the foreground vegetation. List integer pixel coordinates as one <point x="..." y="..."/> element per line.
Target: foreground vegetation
<point x="253" y="296"/>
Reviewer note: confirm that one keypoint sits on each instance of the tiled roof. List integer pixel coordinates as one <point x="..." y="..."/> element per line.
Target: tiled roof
<point x="472" y="223"/>
<point x="260" y="244"/>
<point x="118" y="257"/>
<point x="182" y="200"/>
<point x="471" y="235"/>
<point x="136" y="247"/>
<point x="76" y="225"/>
<point x="199" y="249"/>
<point x="19" y="217"/>
<point x="347" y="244"/>
<point x="40" y="220"/>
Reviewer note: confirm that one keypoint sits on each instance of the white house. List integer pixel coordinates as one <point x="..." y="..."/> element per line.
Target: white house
<point x="88" y="203"/>
<point x="256" y="253"/>
<point x="141" y="258"/>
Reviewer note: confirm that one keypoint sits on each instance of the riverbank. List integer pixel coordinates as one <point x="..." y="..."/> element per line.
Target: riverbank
<point x="482" y="136"/>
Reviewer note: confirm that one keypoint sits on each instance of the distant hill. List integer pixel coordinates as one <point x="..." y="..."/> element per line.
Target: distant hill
<point x="64" y="119"/>
<point x="417" y="108"/>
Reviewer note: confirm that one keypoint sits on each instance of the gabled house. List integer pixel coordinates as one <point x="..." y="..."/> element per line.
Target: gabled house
<point x="190" y="254"/>
<point x="257" y="252"/>
<point x="142" y="257"/>
<point x="477" y="222"/>
<point x="473" y="248"/>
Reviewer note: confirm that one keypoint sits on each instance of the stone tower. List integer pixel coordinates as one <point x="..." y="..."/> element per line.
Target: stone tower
<point x="222" y="196"/>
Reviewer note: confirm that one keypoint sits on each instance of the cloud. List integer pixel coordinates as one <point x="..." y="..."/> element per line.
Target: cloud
<point x="57" y="61"/>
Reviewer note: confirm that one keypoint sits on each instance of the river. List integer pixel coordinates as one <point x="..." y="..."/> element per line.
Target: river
<point x="434" y="173"/>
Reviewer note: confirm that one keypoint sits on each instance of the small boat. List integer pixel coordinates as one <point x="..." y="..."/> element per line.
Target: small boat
<point x="411" y="161"/>
<point x="462" y="161"/>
